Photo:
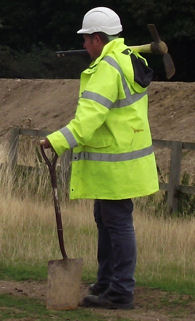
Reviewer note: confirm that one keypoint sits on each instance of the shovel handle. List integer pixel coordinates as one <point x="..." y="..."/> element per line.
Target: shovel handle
<point x="50" y="163"/>
<point x="52" y="166"/>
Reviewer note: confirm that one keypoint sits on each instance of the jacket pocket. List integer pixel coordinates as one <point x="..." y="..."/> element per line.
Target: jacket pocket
<point x="102" y="138"/>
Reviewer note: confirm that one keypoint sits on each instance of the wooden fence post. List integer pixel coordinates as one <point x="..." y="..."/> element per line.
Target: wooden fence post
<point x="174" y="176"/>
<point x="13" y="147"/>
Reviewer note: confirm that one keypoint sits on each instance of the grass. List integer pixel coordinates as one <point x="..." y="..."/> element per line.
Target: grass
<point x="14" y="308"/>
<point x="28" y="238"/>
<point x="166" y="250"/>
<point x="22" y="272"/>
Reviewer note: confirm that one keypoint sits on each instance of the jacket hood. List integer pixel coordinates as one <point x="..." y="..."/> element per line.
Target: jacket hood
<point x="133" y="65"/>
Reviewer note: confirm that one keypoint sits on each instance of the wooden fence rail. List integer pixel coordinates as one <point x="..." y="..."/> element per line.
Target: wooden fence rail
<point x="172" y="187"/>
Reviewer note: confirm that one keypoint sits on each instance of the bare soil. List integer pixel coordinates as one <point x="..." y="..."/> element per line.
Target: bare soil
<point x="50" y="104"/>
<point x="150" y="304"/>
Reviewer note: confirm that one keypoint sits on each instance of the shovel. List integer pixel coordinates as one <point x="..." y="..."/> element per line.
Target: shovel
<point x="64" y="276"/>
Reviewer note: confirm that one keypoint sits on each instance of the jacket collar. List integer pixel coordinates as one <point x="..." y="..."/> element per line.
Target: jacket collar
<point x="107" y="49"/>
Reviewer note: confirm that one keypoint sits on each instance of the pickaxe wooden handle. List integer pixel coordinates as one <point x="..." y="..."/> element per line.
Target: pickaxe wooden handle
<point x="157" y="46"/>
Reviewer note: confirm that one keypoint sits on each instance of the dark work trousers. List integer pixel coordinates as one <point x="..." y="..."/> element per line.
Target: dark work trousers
<point x="116" y="244"/>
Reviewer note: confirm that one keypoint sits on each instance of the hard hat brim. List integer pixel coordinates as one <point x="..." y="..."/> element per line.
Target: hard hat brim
<point x="110" y="32"/>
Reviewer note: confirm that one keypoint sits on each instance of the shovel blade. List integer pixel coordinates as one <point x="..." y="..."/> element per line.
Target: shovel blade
<point x="64" y="280"/>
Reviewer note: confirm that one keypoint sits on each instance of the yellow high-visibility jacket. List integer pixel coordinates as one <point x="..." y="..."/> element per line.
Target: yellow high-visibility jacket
<point x="110" y="135"/>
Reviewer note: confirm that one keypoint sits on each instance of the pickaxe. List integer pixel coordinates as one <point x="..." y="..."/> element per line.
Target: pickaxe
<point x="156" y="47"/>
<point x="163" y="50"/>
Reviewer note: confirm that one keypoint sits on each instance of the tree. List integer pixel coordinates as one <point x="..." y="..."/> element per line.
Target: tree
<point x="30" y="24"/>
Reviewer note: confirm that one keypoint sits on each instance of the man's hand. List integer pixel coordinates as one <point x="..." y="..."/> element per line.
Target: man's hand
<point x="45" y="143"/>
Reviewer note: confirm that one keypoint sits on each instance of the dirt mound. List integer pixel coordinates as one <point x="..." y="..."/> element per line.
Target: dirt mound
<point x="50" y="104"/>
<point x="41" y="104"/>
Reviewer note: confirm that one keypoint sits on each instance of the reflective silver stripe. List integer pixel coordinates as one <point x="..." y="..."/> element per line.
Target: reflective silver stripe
<point x="130" y="98"/>
<point x="98" y="98"/>
<point x="69" y="137"/>
<point x="103" y="157"/>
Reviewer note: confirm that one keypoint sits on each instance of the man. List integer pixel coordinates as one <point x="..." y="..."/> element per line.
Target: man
<point x="113" y="160"/>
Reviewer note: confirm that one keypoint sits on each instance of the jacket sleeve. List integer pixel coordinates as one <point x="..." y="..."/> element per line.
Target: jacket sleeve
<point x="93" y="107"/>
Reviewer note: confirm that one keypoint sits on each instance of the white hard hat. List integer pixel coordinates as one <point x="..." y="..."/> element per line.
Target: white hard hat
<point x="101" y="19"/>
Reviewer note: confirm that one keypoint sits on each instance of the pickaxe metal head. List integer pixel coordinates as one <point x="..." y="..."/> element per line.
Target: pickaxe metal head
<point x="167" y="60"/>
